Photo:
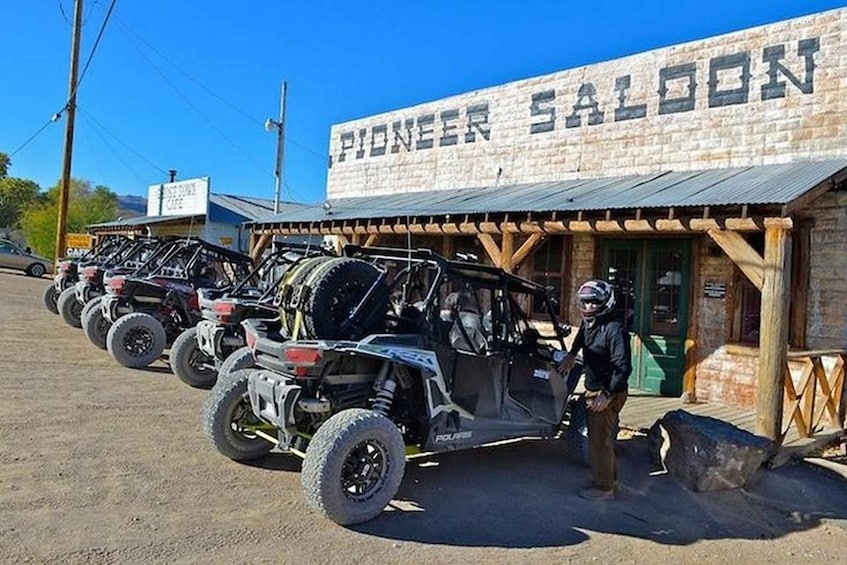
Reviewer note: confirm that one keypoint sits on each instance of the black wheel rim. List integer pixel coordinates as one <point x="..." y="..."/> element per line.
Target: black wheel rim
<point x="241" y="419"/>
<point x="200" y="362"/>
<point x="138" y="341"/>
<point x="365" y="470"/>
<point x="102" y="326"/>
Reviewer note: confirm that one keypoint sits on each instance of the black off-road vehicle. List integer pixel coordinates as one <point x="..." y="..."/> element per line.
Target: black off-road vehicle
<point x="148" y="313"/>
<point x="89" y="284"/>
<point x="146" y="256"/>
<point x="216" y="344"/>
<point x="451" y="360"/>
<point x="67" y="273"/>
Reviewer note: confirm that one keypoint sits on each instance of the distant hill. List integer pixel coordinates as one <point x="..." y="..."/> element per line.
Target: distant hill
<point x="131" y="205"/>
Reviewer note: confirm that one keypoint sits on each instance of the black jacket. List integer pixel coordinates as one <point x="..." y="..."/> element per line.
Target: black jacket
<point x="605" y="353"/>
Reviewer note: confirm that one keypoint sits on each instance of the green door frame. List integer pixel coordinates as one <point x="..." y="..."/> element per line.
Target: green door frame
<point x="658" y="357"/>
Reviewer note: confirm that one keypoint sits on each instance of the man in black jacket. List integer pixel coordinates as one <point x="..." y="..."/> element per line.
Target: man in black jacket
<point x="604" y="341"/>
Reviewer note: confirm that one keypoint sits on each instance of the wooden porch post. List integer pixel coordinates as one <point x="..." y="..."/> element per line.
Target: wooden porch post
<point x="773" y="328"/>
<point x="448" y="247"/>
<point x="258" y="244"/>
<point x="507" y="252"/>
<point x="340" y="241"/>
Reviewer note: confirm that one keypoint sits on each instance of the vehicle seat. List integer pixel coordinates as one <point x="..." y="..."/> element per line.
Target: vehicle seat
<point x="467" y="333"/>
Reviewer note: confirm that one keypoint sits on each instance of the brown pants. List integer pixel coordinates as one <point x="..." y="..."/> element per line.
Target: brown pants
<point x="602" y="431"/>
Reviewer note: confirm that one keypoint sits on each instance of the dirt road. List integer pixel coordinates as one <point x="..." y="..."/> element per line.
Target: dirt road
<point x="102" y="464"/>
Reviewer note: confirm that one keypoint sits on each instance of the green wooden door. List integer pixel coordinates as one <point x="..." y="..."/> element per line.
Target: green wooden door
<point x="652" y="280"/>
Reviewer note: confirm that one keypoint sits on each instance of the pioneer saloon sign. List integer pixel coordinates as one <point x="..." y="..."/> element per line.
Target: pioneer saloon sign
<point x="724" y="80"/>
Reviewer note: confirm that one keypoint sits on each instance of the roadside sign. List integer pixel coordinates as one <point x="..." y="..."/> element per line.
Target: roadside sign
<point x="77" y="244"/>
<point x="186" y="197"/>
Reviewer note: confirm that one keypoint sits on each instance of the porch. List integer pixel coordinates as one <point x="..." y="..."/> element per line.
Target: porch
<point x="814" y="417"/>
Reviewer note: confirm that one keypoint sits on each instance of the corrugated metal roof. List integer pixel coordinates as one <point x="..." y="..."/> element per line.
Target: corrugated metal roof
<point x="143" y="221"/>
<point x="757" y="185"/>
<point x="252" y="208"/>
<point x="245" y="206"/>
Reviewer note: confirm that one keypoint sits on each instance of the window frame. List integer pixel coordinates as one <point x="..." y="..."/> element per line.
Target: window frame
<point x="564" y="274"/>
<point x="799" y="285"/>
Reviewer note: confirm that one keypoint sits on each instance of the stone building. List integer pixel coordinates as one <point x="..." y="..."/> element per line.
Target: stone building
<point x="706" y="180"/>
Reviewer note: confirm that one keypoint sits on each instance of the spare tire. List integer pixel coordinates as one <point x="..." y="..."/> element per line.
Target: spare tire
<point x="336" y="289"/>
<point x="290" y="289"/>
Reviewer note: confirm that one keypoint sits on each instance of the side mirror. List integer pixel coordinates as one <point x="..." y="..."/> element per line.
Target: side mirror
<point x="29" y="250"/>
<point x="564" y="329"/>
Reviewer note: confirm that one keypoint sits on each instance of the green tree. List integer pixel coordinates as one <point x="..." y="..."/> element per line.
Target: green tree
<point x="5" y="163"/>
<point x="15" y="196"/>
<point x="86" y="206"/>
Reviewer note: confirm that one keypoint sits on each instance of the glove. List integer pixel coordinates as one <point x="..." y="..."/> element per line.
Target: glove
<point x="564" y="365"/>
<point x="599" y="402"/>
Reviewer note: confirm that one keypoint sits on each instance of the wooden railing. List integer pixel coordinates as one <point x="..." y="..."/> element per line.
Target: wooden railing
<point x="817" y="393"/>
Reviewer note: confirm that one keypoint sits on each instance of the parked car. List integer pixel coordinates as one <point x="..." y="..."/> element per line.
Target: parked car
<point x="13" y="257"/>
<point x="399" y="352"/>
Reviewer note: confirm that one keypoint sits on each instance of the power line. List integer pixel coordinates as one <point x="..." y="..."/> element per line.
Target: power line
<point x="199" y="112"/>
<point x="117" y="155"/>
<point x="96" y="43"/>
<point x="127" y="30"/>
<point x="32" y="137"/>
<point x="58" y="114"/>
<point x="94" y="154"/>
<point x="122" y="142"/>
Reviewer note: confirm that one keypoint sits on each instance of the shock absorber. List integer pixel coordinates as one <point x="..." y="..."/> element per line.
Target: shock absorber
<point x="384" y="397"/>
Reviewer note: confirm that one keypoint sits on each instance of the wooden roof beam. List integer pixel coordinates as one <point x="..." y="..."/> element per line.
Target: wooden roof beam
<point x="532" y="242"/>
<point x="742" y="254"/>
<point x="491" y="248"/>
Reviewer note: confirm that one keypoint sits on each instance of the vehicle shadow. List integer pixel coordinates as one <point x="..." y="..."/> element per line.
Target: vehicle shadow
<point x="525" y="495"/>
<point x="277" y="461"/>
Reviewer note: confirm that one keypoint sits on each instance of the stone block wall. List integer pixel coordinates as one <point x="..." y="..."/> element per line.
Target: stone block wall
<point x="826" y="310"/>
<point x="583" y="269"/>
<point x="769" y="94"/>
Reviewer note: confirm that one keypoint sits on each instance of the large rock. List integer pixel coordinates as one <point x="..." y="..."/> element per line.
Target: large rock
<point x="706" y="453"/>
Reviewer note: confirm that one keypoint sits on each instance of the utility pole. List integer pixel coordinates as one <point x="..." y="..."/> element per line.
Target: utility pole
<point x="280" y="144"/>
<point x="70" y="109"/>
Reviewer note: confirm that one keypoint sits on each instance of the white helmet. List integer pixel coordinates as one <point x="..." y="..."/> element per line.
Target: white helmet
<point x="596" y="298"/>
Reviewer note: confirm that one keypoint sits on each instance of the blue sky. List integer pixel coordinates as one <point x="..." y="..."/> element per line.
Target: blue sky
<point x="187" y="84"/>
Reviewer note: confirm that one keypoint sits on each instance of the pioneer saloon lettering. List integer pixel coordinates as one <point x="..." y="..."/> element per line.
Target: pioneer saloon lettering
<point x="422" y="132"/>
<point x="727" y="80"/>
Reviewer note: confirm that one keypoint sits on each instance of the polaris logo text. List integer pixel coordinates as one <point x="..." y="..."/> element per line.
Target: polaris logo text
<point x="456" y="436"/>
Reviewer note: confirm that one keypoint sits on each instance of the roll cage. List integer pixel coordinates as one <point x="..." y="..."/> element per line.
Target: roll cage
<point x="421" y="281"/>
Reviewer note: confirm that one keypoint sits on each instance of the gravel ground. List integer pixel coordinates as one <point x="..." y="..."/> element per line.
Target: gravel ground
<point x="102" y="464"/>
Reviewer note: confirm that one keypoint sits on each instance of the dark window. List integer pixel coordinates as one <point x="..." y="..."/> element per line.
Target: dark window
<point x="750" y="312"/>
<point x="667" y="293"/>
<point x="623" y="276"/>
<point x="748" y="300"/>
<point x="550" y="268"/>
